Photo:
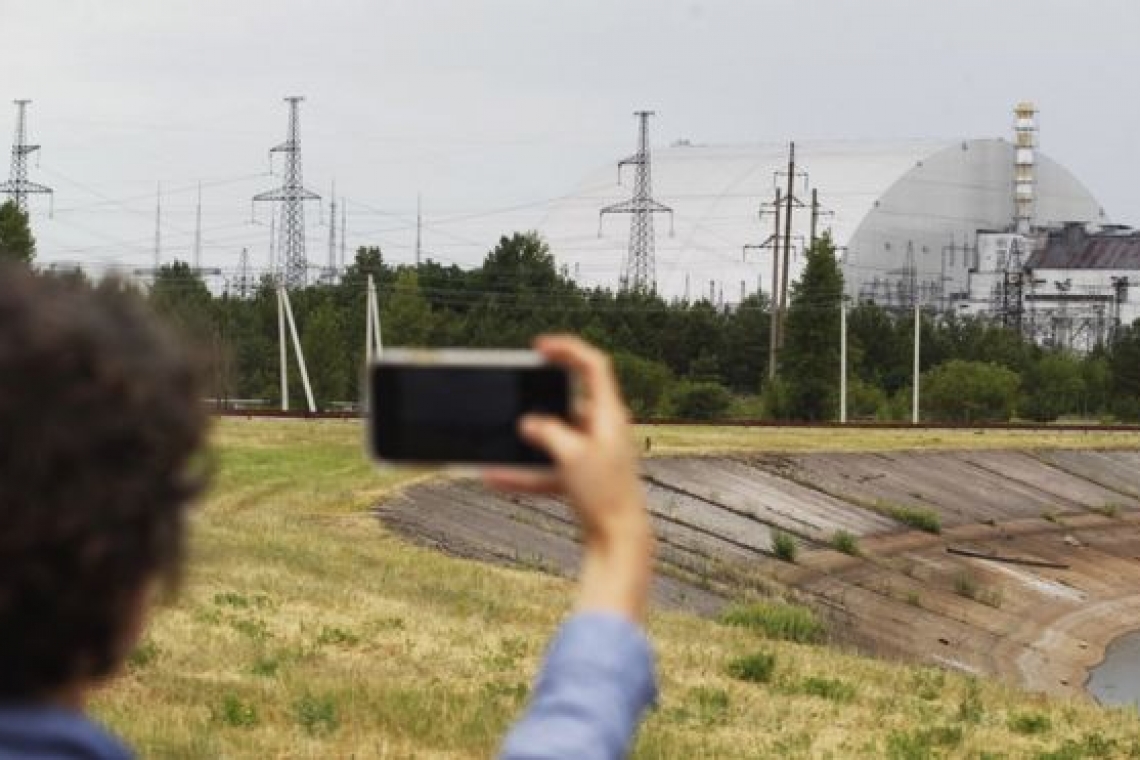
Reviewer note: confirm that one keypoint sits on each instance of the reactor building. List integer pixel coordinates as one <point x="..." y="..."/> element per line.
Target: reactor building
<point x="982" y="227"/>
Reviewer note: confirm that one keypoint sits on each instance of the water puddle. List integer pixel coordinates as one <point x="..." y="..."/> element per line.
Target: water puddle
<point x="1116" y="680"/>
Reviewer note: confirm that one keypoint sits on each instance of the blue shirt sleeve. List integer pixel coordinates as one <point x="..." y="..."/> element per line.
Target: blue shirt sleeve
<point x="597" y="681"/>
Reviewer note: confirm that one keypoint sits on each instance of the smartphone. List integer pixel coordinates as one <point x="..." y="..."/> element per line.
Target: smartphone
<point x="461" y="407"/>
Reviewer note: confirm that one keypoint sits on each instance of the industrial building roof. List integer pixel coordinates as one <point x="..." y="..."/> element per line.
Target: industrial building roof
<point x="1075" y="248"/>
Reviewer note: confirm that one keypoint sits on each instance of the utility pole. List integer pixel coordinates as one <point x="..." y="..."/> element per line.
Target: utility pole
<point x="843" y="359"/>
<point x="787" y="239"/>
<point x="639" y="272"/>
<point x="419" y="229"/>
<point x="158" y="229"/>
<point x="343" y="235"/>
<point x="774" y="318"/>
<point x="330" y="266"/>
<point x="917" y="351"/>
<point x="244" y="283"/>
<point x="292" y="196"/>
<point x="18" y="188"/>
<point x="197" y="258"/>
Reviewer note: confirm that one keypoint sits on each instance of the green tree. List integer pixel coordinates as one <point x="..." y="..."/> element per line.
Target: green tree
<point x="966" y="391"/>
<point x="16" y="240"/>
<point x="325" y="357"/>
<point x="406" y="319"/>
<point x="1124" y="372"/>
<point x="810" y="359"/>
<point x="1054" y="385"/>
<point x="696" y="400"/>
<point x="643" y="382"/>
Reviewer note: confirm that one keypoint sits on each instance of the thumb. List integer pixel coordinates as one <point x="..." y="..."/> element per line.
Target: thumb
<point x="552" y="435"/>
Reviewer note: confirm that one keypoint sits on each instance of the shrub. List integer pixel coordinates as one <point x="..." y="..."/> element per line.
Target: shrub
<point x="698" y="400"/>
<point x="842" y="541"/>
<point x="784" y="546"/>
<point x="918" y="517"/>
<point x="829" y="688"/>
<point x="865" y="401"/>
<point x="754" y="668"/>
<point x="777" y="620"/>
<point x="1030" y="723"/>
<point x="705" y="705"/>
<point x="966" y="391"/>
<point x="643" y="382"/>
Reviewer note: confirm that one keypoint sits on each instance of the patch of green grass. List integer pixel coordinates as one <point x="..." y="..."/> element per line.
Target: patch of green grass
<point x="266" y="667"/>
<point x="828" y="688"/>
<point x="143" y="654"/>
<point x="966" y="585"/>
<point x="777" y="620"/>
<point x="235" y="712"/>
<point x="753" y="668"/>
<point x="923" y="743"/>
<point x="705" y="705"/>
<point x="317" y="715"/>
<point x="336" y="636"/>
<point x="919" y="518"/>
<point x="970" y="709"/>
<point x="927" y="683"/>
<point x="914" y="599"/>
<point x="842" y="541"/>
<point x="1111" y="509"/>
<point x="1030" y="724"/>
<point x="784" y="546"/>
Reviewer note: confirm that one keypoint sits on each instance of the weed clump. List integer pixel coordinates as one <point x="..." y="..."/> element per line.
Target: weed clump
<point x="235" y="713"/>
<point x="829" y="688"/>
<point x="845" y="542"/>
<point x="777" y="620"/>
<point x="753" y="668"/>
<point x="918" y="518"/>
<point x="784" y="546"/>
<point x="317" y="715"/>
<point x="1030" y="724"/>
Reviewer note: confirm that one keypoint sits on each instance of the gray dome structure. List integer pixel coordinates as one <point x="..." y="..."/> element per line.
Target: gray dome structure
<point x="884" y="201"/>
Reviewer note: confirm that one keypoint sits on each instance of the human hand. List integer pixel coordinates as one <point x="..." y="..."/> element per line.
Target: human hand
<point x="596" y="467"/>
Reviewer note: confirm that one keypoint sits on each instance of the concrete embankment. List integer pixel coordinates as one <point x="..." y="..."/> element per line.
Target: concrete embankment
<point x="1036" y="567"/>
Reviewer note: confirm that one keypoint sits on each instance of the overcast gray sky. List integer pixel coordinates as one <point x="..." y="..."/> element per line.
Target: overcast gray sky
<point x="485" y="105"/>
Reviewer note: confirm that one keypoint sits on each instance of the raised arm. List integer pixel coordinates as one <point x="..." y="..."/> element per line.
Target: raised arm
<point x="598" y="676"/>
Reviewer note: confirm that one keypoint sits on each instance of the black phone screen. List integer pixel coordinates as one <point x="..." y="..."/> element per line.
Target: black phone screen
<point x="462" y="414"/>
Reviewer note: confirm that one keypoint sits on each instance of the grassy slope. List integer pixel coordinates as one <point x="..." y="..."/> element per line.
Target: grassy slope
<point x="305" y="630"/>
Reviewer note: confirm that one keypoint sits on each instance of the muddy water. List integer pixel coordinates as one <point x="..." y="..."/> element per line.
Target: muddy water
<point x="1116" y="681"/>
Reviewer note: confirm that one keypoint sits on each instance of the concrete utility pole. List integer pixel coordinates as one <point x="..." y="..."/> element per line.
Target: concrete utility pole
<point x="774" y="308"/>
<point x="843" y="359"/>
<point x="787" y="239"/>
<point x="917" y="351"/>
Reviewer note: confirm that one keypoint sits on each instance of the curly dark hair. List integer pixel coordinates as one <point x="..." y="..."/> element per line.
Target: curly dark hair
<point x="100" y="420"/>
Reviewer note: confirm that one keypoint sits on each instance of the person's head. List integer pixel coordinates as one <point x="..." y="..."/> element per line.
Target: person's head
<point x="100" y="419"/>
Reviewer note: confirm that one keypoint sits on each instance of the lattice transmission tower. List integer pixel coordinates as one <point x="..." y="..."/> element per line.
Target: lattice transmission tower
<point x="639" y="271"/>
<point x="292" y="196"/>
<point x="18" y="187"/>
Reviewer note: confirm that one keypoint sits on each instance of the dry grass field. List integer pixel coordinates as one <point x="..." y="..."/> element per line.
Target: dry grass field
<point x="305" y="630"/>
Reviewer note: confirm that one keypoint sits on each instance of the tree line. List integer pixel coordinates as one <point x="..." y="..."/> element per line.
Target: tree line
<point x="675" y="358"/>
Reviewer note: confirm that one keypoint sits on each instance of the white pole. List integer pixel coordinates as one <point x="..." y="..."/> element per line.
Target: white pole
<point x="297" y="349"/>
<point x="281" y="339"/>
<point x="917" y="350"/>
<point x="843" y="360"/>
<point x="374" y="315"/>
<point x="368" y="340"/>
